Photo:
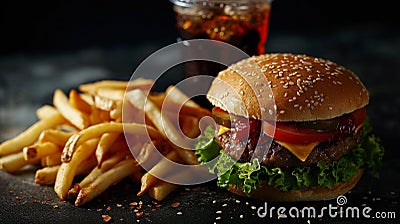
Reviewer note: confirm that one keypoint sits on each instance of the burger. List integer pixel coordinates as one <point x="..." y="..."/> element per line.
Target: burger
<point x="306" y="138"/>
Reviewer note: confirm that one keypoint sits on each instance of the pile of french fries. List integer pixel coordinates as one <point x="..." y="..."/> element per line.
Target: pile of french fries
<point x="83" y="135"/>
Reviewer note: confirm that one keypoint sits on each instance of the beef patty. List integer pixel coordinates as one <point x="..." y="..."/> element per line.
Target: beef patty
<point x="277" y="155"/>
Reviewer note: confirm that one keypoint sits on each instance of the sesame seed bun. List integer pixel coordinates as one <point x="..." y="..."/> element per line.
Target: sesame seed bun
<point x="267" y="192"/>
<point x="304" y="88"/>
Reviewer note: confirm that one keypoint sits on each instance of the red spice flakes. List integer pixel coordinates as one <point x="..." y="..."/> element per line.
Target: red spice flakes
<point x="17" y="198"/>
<point x="139" y="214"/>
<point x="47" y="199"/>
<point x="55" y="206"/>
<point x="106" y="218"/>
<point x="108" y="208"/>
<point x="99" y="210"/>
<point x="10" y="191"/>
<point x="175" y="204"/>
<point x="34" y="201"/>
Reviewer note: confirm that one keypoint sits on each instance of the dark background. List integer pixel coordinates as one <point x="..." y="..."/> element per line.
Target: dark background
<point x="52" y="26"/>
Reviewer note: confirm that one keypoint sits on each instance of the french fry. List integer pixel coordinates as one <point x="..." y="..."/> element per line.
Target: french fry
<point x="157" y="99"/>
<point x="46" y="111"/>
<point x="73" y="115"/>
<point x="67" y="171"/>
<point x="74" y="191"/>
<point x="147" y="181"/>
<point x="30" y="135"/>
<point x="14" y="162"/>
<point x="53" y="159"/>
<point x="93" y="87"/>
<point x="106" y="140"/>
<point x="96" y="131"/>
<point x="96" y="116"/>
<point x="86" y="166"/>
<point x="161" y="190"/>
<point x="103" y="103"/>
<point x="116" y="112"/>
<point x="46" y="175"/>
<point x="55" y="136"/>
<point x="105" y="180"/>
<point x="140" y="83"/>
<point x="76" y="101"/>
<point x="188" y="107"/>
<point x="111" y="93"/>
<point x="148" y="155"/>
<point x="88" y="98"/>
<point x="38" y="151"/>
<point x="113" y="160"/>
<point x="161" y="169"/>
<point x="177" y="96"/>
<point x="189" y="126"/>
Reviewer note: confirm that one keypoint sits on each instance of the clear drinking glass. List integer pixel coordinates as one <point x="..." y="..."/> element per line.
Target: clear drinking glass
<point x="242" y="23"/>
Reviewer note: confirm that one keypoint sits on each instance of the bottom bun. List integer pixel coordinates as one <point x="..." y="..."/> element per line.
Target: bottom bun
<point x="268" y="192"/>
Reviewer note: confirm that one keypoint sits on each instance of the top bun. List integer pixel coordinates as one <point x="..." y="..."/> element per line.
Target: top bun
<point x="304" y="88"/>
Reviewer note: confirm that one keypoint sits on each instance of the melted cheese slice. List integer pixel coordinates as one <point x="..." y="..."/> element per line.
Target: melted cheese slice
<point x="222" y="130"/>
<point x="300" y="151"/>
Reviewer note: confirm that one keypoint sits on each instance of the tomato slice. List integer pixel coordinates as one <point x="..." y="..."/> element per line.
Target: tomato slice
<point x="289" y="132"/>
<point x="295" y="134"/>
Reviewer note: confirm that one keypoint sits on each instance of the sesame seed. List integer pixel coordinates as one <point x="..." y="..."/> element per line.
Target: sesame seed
<point x="218" y="212"/>
<point x="282" y="112"/>
<point x="330" y="108"/>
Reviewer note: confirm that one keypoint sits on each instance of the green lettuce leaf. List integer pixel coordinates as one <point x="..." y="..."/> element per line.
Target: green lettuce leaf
<point x="207" y="147"/>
